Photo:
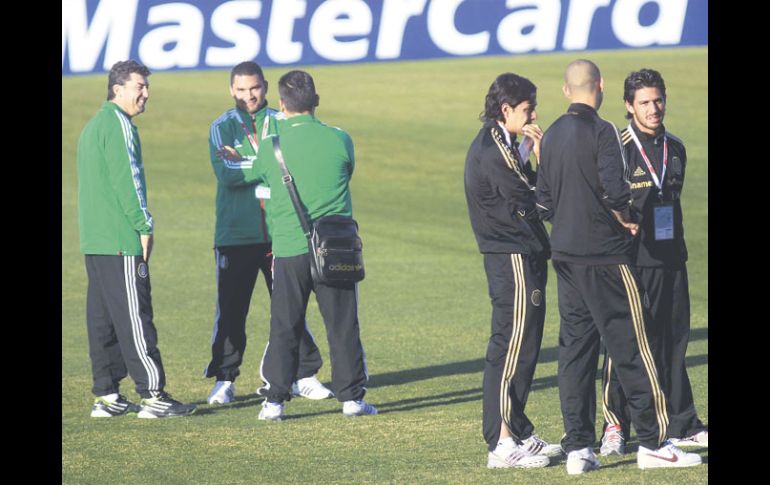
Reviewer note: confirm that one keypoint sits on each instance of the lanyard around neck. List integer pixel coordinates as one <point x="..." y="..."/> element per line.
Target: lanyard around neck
<point x="252" y="137"/>
<point x="653" y="173"/>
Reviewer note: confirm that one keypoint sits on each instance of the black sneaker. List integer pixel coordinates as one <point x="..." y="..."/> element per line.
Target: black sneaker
<point x="163" y="406"/>
<point x="108" y="409"/>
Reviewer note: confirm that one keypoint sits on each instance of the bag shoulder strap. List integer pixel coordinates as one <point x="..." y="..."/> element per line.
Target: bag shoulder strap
<point x="288" y="181"/>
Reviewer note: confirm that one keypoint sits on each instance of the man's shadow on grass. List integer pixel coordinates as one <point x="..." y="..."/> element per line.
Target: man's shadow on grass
<point x="549" y="354"/>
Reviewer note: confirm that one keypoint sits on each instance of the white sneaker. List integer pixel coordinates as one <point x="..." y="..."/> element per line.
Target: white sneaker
<point x="581" y="461"/>
<point x="358" y="408"/>
<point x="536" y="446"/>
<point x="612" y="441"/>
<point x="271" y="411"/>
<point x="311" y="388"/>
<point x="667" y="456"/>
<point x="515" y="457"/>
<point x="223" y="392"/>
<point x="698" y="439"/>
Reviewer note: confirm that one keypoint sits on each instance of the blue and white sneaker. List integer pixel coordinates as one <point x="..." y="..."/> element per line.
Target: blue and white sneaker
<point x="112" y="405"/>
<point x="164" y="406"/>
<point x="358" y="408"/>
<point x="223" y="392"/>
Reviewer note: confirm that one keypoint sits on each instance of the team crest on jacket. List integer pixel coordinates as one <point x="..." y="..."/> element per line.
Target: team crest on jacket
<point x="224" y="263"/>
<point x="537" y="297"/>
<point x="141" y="270"/>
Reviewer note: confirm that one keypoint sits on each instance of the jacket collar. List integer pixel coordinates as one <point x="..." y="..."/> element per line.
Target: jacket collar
<point x="114" y="107"/>
<point x="507" y="136"/>
<point x="246" y="115"/>
<point x="581" y="108"/>
<point x="646" y="138"/>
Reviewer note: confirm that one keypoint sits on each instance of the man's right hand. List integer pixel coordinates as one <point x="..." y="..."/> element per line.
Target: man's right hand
<point x="146" y="240"/>
<point x="229" y="153"/>
<point x="631" y="227"/>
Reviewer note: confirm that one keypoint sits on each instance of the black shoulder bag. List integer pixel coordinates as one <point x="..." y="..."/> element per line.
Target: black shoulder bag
<point x="335" y="247"/>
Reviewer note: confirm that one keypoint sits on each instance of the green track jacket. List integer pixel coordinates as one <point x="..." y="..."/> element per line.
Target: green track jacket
<point x="112" y="195"/>
<point x="321" y="161"/>
<point x="240" y="217"/>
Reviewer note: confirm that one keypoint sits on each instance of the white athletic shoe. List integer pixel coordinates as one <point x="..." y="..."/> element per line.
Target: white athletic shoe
<point x="581" y="461"/>
<point x="223" y="392"/>
<point x="698" y="439"/>
<point x="612" y="441"/>
<point x="536" y="446"/>
<point x="515" y="457"/>
<point x="271" y="411"/>
<point x="311" y="388"/>
<point x="358" y="408"/>
<point x="667" y="456"/>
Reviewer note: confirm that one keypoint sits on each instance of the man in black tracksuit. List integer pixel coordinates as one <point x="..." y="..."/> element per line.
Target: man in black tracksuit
<point x="582" y="191"/>
<point x="656" y="166"/>
<point x="499" y="190"/>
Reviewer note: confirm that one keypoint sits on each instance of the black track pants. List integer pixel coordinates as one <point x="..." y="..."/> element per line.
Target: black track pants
<point x="237" y="271"/>
<point x="517" y="290"/>
<point x="669" y="332"/>
<point x="122" y="339"/>
<point x="605" y="301"/>
<point x="292" y="285"/>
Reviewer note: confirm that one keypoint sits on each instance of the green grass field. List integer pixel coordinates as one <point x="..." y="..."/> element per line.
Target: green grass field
<point x="424" y="308"/>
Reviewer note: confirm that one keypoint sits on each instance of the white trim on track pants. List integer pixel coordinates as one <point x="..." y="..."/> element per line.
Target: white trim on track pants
<point x="237" y="271"/>
<point x="604" y="301"/>
<point x="292" y="285"/>
<point x="122" y="339"/>
<point x="517" y="290"/>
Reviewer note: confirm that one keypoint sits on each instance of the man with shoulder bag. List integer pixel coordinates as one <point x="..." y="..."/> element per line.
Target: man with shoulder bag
<point x="309" y="170"/>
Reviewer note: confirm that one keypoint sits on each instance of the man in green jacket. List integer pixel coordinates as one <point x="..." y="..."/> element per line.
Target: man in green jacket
<point x="241" y="242"/>
<point x="116" y="231"/>
<point x="320" y="159"/>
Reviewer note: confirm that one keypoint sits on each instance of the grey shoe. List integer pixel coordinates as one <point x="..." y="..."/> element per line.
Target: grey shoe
<point x="164" y="406"/>
<point x="613" y="442"/>
<point x="104" y="408"/>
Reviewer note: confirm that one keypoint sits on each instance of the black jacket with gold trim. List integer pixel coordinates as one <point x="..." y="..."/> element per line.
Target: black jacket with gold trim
<point x="647" y="251"/>
<point x="501" y="197"/>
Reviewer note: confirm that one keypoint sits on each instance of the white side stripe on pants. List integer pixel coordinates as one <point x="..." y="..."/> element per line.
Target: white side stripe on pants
<point x="129" y="270"/>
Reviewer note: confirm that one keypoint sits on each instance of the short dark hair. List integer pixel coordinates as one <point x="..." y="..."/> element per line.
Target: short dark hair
<point x="643" y="78"/>
<point x="508" y="88"/>
<point x="297" y="90"/>
<point x="247" y="68"/>
<point x="121" y="72"/>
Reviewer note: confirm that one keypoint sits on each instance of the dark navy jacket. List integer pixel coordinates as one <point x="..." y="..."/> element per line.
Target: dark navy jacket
<point x="581" y="177"/>
<point x="501" y="197"/>
<point x="647" y="251"/>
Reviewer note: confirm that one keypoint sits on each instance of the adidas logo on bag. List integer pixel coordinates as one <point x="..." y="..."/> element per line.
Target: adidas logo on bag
<point x="345" y="267"/>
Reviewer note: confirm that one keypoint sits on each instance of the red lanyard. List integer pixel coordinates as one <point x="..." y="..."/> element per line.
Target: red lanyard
<point x="653" y="173"/>
<point x="252" y="138"/>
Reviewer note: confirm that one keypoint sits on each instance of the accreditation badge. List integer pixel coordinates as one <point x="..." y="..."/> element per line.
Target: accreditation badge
<point x="664" y="221"/>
